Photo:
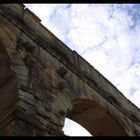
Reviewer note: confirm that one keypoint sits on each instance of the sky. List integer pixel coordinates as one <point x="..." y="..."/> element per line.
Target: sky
<point x="106" y="35"/>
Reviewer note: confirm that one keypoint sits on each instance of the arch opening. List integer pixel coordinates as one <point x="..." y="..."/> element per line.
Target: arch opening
<point x="95" y="119"/>
<point x="72" y="128"/>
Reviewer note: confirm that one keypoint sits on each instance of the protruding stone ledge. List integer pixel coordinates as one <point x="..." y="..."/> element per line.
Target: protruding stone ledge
<point x="18" y="8"/>
<point x="62" y="71"/>
<point x="31" y="16"/>
<point x="62" y="85"/>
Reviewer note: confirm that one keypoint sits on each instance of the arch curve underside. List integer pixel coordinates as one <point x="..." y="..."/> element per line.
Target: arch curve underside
<point x="8" y="91"/>
<point x="94" y="118"/>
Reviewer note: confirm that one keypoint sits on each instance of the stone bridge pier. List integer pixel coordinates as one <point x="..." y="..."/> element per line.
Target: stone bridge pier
<point x="42" y="82"/>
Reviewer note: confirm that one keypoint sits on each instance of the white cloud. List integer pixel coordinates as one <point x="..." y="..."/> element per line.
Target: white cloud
<point x="135" y="98"/>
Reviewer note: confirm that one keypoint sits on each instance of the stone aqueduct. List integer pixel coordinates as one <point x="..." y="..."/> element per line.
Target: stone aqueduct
<point x="42" y="82"/>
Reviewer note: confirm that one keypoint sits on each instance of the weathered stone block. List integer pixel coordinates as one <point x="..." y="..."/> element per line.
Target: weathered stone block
<point x="62" y="71"/>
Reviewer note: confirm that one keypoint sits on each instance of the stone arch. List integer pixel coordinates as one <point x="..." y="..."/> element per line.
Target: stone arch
<point x="94" y="118"/>
<point x="8" y="92"/>
<point x="49" y="94"/>
<point x="6" y="45"/>
<point x="8" y="40"/>
<point x="8" y="85"/>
